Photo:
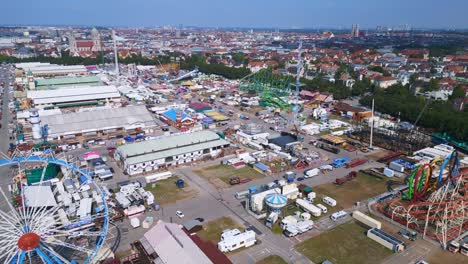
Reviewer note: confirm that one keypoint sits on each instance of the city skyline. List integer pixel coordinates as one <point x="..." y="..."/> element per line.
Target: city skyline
<point x="240" y="14"/>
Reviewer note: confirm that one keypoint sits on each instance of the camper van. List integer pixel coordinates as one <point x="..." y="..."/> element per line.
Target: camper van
<point x="338" y="215"/>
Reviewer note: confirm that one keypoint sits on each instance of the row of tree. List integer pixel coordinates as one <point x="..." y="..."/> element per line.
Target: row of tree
<point x="397" y="100"/>
<point x="199" y="62"/>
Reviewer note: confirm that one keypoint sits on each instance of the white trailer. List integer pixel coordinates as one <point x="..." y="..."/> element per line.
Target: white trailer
<point x="367" y="220"/>
<point x="291" y="231"/>
<point x="330" y="201"/>
<point x="157" y="177"/>
<point x="322" y="207"/>
<point x="304" y="226"/>
<point x="309" y="207"/>
<point x="239" y="240"/>
<point x="311" y="173"/>
<point x="298" y="228"/>
<point x="338" y="215"/>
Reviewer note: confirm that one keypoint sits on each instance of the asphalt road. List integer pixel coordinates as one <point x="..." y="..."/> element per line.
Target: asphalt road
<point x="4" y="135"/>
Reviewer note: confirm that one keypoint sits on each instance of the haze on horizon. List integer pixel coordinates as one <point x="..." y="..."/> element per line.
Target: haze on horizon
<point x="239" y="13"/>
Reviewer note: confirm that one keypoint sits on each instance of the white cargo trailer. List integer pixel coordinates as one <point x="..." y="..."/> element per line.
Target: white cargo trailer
<point x="309" y="207"/>
<point x="367" y="220"/>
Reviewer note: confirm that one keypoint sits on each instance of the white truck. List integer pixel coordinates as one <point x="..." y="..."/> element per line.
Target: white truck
<point x="288" y="221"/>
<point x="309" y="207"/>
<point x="271" y="219"/>
<point x="311" y="173"/>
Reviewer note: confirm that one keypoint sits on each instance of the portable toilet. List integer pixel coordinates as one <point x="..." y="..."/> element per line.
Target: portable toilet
<point x="180" y="183"/>
<point x="252" y="189"/>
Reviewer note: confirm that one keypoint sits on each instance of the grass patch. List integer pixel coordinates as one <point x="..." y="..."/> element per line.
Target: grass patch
<point x="166" y="191"/>
<point x="276" y="229"/>
<point x="346" y="195"/>
<point x="273" y="259"/>
<point x="212" y="230"/>
<point x="346" y="243"/>
<point x="122" y="254"/>
<point x="215" y="174"/>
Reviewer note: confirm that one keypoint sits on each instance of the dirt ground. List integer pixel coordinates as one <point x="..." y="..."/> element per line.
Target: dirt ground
<point x="378" y="154"/>
<point x="346" y="243"/>
<point x="361" y="188"/>
<point x="445" y="257"/>
<point x="212" y="230"/>
<point x="219" y="175"/>
<point x="166" y="192"/>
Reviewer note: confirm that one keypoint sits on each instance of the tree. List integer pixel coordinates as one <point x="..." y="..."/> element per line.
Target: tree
<point x="458" y="92"/>
<point x="433" y="85"/>
<point x="239" y="58"/>
<point x="376" y="69"/>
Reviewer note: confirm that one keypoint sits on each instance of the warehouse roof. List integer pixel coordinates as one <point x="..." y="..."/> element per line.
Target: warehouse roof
<point x="170" y="146"/>
<point x="39" y="196"/>
<point x="67" y="81"/>
<point x="52" y="68"/>
<point x="101" y="119"/>
<point x="73" y="95"/>
<point x="173" y="245"/>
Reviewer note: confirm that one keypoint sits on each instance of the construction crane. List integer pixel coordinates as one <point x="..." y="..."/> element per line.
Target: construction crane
<point x="420" y="114"/>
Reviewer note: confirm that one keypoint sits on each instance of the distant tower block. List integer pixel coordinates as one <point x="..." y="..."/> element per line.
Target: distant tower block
<point x="35" y="123"/>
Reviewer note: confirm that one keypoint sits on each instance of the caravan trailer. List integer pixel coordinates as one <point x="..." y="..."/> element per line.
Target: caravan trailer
<point x="234" y="240"/>
<point x="338" y="215"/>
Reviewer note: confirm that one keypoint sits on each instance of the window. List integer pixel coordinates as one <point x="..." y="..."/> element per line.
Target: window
<point x="206" y="151"/>
<point x="169" y="159"/>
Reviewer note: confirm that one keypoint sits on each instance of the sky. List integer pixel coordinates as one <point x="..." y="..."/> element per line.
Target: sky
<point x="238" y="13"/>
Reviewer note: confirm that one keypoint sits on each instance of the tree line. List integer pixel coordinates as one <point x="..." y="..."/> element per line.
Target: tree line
<point x="439" y="116"/>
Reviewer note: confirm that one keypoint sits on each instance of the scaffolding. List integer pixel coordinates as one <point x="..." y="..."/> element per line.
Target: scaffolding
<point x="398" y="140"/>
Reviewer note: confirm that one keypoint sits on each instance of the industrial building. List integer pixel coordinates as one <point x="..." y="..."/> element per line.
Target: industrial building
<point x="99" y="123"/>
<point x="78" y="96"/>
<point x="167" y="151"/>
<point x="45" y="69"/>
<point x="386" y="240"/>
<point x="168" y="243"/>
<point x="66" y="82"/>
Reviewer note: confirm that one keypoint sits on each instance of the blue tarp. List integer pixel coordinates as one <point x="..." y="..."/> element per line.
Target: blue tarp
<point x="83" y="179"/>
<point x="129" y="139"/>
<point x="262" y="166"/>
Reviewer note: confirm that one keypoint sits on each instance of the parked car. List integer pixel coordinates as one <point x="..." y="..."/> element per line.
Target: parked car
<point x="410" y="235"/>
<point x="179" y="214"/>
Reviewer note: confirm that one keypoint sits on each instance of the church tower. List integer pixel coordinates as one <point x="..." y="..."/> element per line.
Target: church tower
<point x="96" y="38"/>
<point x="72" y="43"/>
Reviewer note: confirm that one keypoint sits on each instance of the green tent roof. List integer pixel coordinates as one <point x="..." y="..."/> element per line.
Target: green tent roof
<point x="68" y="81"/>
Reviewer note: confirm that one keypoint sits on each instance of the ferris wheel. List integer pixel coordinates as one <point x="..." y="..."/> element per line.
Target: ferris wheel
<point x="47" y="219"/>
